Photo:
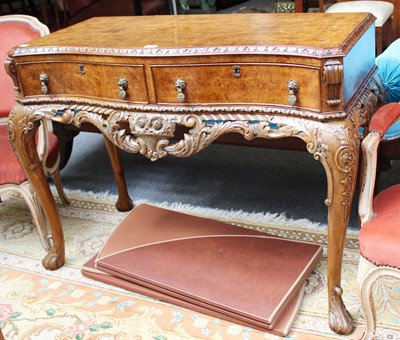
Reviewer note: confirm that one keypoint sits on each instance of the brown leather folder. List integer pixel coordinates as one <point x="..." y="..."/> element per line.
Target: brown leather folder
<point x="205" y="264"/>
<point x="281" y="328"/>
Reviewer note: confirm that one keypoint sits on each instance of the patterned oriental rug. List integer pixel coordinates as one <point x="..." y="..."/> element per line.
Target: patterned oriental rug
<point x="40" y="304"/>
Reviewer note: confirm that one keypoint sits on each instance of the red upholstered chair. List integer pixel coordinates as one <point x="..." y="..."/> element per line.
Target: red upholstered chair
<point x="380" y="219"/>
<point x="15" y="30"/>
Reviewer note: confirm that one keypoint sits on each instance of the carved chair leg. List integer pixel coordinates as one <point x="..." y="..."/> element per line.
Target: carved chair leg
<point x="59" y="187"/>
<point x="365" y="283"/>
<point x="36" y="210"/>
<point x="379" y="40"/>
<point x="25" y="191"/>
<point x="368" y="274"/>
<point x="387" y="33"/>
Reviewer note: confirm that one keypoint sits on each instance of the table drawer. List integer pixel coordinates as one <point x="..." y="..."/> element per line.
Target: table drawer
<point x="237" y="84"/>
<point x="108" y="81"/>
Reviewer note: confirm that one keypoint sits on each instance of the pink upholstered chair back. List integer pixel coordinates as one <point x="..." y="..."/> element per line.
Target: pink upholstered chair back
<point x="14" y="30"/>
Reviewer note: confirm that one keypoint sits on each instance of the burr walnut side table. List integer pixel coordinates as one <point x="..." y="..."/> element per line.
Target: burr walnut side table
<point x="172" y="85"/>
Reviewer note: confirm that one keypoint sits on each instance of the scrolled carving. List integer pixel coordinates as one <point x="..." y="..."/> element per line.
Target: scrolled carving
<point x="11" y="131"/>
<point x="333" y="72"/>
<point x="201" y="135"/>
<point x="346" y="158"/>
<point x="320" y="150"/>
<point x="369" y="96"/>
<point x="29" y="122"/>
<point x="345" y="155"/>
<point x="11" y="70"/>
<point x="26" y="125"/>
<point x="150" y="133"/>
<point x="235" y="111"/>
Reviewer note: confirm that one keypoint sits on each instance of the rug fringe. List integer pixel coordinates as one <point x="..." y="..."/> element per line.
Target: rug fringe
<point x="233" y="216"/>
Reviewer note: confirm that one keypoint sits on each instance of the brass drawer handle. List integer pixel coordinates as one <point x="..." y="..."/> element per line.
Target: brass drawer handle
<point x="122" y="85"/>
<point x="293" y="88"/>
<point x="44" y="81"/>
<point x="180" y="86"/>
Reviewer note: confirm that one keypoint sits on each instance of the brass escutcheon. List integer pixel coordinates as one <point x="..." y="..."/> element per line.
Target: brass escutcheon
<point x="81" y="68"/>
<point x="293" y="88"/>
<point x="122" y="85"/>
<point x="44" y="81"/>
<point x="236" y="71"/>
<point x="180" y="86"/>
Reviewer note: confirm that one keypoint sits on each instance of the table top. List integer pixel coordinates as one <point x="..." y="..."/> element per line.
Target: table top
<point x="315" y="30"/>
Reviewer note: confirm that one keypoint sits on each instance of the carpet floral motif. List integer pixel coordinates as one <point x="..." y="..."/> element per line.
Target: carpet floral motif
<point x="40" y="304"/>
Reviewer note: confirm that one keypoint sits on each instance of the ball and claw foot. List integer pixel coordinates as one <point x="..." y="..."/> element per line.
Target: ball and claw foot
<point x="124" y="204"/>
<point x="53" y="260"/>
<point x="340" y="320"/>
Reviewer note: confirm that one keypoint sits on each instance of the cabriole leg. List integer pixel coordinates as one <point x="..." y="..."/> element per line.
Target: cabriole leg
<point x="22" y="129"/>
<point x="340" y="160"/>
<point x="124" y="202"/>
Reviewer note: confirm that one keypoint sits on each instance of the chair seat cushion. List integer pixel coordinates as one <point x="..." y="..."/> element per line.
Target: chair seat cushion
<point x="10" y="169"/>
<point x="380" y="237"/>
<point x="389" y="70"/>
<point x="382" y="10"/>
<point x="393" y="131"/>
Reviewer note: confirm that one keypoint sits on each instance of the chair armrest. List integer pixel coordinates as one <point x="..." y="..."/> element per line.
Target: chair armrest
<point x="45" y="147"/>
<point x="379" y="124"/>
<point x="369" y="149"/>
<point x="42" y="141"/>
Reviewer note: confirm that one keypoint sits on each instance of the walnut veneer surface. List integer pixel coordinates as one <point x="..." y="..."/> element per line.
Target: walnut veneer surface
<point x="183" y="31"/>
<point x="172" y="85"/>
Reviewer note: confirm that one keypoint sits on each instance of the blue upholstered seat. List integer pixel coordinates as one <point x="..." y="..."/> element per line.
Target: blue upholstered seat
<point x="389" y="69"/>
<point x="394" y="131"/>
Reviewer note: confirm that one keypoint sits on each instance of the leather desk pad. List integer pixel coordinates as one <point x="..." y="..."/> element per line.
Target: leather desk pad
<point x="281" y="327"/>
<point x="205" y="264"/>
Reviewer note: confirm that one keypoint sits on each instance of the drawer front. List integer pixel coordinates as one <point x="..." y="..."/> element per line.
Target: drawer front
<point x="237" y="84"/>
<point x="95" y="80"/>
